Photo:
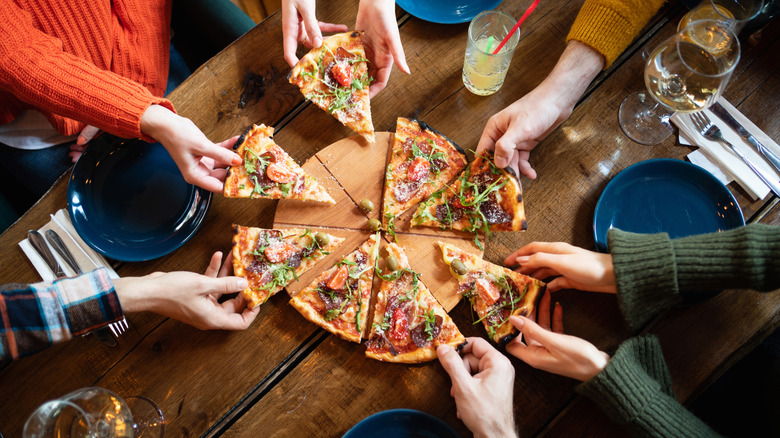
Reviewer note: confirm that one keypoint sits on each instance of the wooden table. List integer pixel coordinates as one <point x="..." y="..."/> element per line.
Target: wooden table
<point x="286" y="377"/>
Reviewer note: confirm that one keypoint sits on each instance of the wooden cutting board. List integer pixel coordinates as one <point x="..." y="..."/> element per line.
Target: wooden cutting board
<point x="352" y="170"/>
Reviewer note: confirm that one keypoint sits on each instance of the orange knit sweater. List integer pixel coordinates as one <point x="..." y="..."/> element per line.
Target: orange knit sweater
<point x="79" y="62"/>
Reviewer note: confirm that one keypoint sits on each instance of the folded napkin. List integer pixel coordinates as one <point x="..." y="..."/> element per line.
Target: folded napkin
<point x="86" y="257"/>
<point x="721" y="156"/>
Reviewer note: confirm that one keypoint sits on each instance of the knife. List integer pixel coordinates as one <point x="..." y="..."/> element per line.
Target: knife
<point x="724" y="115"/>
<point x="36" y="240"/>
<point x="56" y="242"/>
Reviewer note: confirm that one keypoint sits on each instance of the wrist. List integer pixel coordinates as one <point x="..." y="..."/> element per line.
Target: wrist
<point x="134" y="293"/>
<point x="155" y="121"/>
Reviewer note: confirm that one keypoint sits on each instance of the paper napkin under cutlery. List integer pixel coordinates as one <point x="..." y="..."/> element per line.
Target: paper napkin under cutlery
<point x="721" y="156"/>
<point x="85" y="256"/>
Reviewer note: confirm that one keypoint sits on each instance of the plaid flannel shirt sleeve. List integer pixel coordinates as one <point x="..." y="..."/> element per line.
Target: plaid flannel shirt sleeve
<point x="34" y="317"/>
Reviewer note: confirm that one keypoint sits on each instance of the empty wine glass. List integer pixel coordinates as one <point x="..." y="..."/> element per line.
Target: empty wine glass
<point x="96" y="413"/>
<point x="685" y="73"/>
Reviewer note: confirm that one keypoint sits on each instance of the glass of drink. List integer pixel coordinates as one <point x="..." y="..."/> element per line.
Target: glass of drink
<point x="685" y="73"/>
<point x="484" y="72"/>
<point x="96" y="413"/>
<point x="734" y="12"/>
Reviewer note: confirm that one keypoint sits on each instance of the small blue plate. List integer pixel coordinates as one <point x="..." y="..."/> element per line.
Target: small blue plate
<point x="401" y="423"/>
<point x="665" y="195"/>
<point x="447" y="11"/>
<point x="128" y="200"/>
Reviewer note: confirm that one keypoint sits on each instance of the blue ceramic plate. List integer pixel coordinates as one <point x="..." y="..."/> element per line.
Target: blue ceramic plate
<point x="401" y="423"/>
<point x="128" y="201"/>
<point x="447" y="11"/>
<point x="665" y="195"/>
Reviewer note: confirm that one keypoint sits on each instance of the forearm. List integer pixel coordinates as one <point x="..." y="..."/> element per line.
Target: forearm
<point x="40" y="315"/>
<point x="635" y="390"/>
<point x="654" y="272"/>
<point x="578" y="65"/>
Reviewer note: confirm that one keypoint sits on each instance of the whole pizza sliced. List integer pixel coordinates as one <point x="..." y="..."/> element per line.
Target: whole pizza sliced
<point x="268" y="172"/>
<point x="271" y="259"/>
<point x="408" y="321"/>
<point x="335" y="77"/>
<point x="338" y="299"/>
<point x="495" y="292"/>
<point x="421" y="162"/>
<point x="484" y="197"/>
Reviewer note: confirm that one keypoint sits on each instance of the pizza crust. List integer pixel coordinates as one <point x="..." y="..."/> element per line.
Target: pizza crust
<point x="238" y="183"/>
<point x="307" y="75"/>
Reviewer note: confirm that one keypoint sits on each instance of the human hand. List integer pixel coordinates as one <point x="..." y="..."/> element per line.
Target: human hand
<point x="553" y="351"/>
<point x="516" y="130"/>
<point x="381" y="41"/>
<point x="300" y="25"/>
<point x="85" y="136"/>
<point x="189" y="297"/>
<point x="482" y="385"/>
<point x="200" y="161"/>
<point x="577" y="268"/>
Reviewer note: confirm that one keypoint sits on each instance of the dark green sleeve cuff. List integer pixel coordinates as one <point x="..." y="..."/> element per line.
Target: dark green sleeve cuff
<point x="635" y="390"/>
<point x="645" y="273"/>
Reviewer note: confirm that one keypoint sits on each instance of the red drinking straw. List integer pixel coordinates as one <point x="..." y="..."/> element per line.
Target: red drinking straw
<point x="519" y="22"/>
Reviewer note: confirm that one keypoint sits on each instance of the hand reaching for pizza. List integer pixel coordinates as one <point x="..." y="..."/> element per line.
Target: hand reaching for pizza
<point x="300" y="25"/>
<point x="577" y="268"/>
<point x="381" y="40"/>
<point x="189" y="297"/>
<point x="200" y="161"/>
<point x="553" y="351"/>
<point x="482" y="385"/>
<point x="515" y="131"/>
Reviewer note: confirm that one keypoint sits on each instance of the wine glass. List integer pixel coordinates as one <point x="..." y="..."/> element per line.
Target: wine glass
<point x="686" y="73"/>
<point x="736" y="13"/>
<point x="96" y="413"/>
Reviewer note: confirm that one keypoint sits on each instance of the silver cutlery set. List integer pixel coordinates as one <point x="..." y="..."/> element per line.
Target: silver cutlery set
<point x="710" y="130"/>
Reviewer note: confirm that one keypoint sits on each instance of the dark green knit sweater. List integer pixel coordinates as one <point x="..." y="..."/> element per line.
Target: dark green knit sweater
<point x="654" y="273"/>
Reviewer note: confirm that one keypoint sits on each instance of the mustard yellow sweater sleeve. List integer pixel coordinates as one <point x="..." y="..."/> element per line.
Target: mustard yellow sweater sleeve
<point x="609" y="26"/>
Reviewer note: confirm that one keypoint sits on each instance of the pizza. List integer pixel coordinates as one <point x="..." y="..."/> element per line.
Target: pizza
<point x="271" y="259"/>
<point x="335" y="77"/>
<point x="495" y="292"/>
<point x="408" y="321"/>
<point x="484" y="197"/>
<point x="268" y="172"/>
<point x="338" y="299"/>
<point x="421" y="162"/>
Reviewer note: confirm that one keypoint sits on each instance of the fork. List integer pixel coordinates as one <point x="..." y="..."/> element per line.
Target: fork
<point x="711" y="131"/>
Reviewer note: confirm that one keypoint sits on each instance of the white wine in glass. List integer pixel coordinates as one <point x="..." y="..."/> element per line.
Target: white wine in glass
<point x="685" y="73"/>
<point x="95" y="413"/>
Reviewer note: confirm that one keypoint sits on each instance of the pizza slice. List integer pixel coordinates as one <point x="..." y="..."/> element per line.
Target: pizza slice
<point x="421" y="162"/>
<point x="268" y="172"/>
<point x="271" y="259"/>
<point x="484" y="197"/>
<point x="495" y="292"/>
<point x="408" y="321"/>
<point x="338" y="299"/>
<point x="335" y="77"/>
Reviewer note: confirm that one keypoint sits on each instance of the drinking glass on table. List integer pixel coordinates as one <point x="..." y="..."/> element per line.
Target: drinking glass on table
<point x="96" y="413"/>
<point x="736" y="13"/>
<point x="686" y="73"/>
<point x="484" y="72"/>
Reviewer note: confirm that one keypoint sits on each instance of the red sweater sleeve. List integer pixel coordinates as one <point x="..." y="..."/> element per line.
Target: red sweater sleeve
<point x="37" y="71"/>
